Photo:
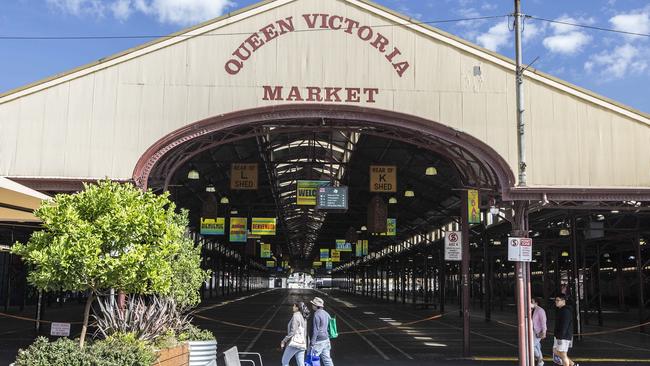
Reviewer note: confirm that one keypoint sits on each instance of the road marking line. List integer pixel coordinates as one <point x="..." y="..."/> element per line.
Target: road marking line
<point x="619" y="360"/>
<point x="280" y="306"/>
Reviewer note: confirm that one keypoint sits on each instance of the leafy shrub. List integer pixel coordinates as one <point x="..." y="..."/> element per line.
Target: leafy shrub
<point x="63" y="351"/>
<point x="167" y="340"/>
<point x="122" y="350"/>
<point x="194" y="333"/>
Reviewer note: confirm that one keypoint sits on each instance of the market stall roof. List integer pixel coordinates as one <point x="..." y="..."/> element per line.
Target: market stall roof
<point x="17" y="202"/>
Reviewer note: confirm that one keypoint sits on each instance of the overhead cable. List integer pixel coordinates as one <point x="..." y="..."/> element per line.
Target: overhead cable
<point x="592" y="27"/>
<point x="151" y="36"/>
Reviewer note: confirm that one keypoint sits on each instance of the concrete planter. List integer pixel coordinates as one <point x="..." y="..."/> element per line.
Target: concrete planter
<point x="175" y="356"/>
<point x="203" y="353"/>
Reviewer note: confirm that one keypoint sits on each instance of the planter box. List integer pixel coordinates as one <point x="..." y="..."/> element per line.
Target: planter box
<point x="176" y="356"/>
<point x="203" y="353"/>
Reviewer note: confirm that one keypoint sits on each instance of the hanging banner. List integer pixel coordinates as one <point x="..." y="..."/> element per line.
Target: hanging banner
<point x="377" y="215"/>
<point x="383" y="178"/>
<point x="328" y="265"/>
<point x="214" y="226"/>
<point x="520" y="249"/>
<point x="336" y="255"/>
<point x="238" y="229"/>
<point x="307" y="191"/>
<point x="265" y="250"/>
<point x="358" y="248"/>
<point x="316" y="264"/>
<point x="263" y="226"/>
<point x="365" y="247"/>
<point x="324" y="254"/>
<point x="473" y="209"/>
<point x="391" y="226"/>
<point x="270" y="264"/>
<point x="285" y="264"/>
<point x="453" y="246"/>
<point x="243" y="176"/>
<point x="343" y="246"/>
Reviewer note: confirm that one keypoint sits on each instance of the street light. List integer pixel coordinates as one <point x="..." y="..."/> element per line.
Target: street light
<point x="409" y="193"/>
<point x="392" y="200"/>
<point x="193" y="174"/>
<point x="431" y="171"/>
<point x="224" y="200"/>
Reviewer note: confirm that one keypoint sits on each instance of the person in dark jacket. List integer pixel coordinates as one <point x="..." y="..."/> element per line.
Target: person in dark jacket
<point x="320" y="340"/>
<point x="563" y="332"/>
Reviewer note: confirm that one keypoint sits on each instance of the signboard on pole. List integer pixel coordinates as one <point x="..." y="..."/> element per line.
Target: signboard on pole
<point x="60" y="329"/>
<point x="265" y="250"/>
<point x="238" y="229"/>
<point x="215" y="226"/>
<point x="243" y="176"/>
<point x="383" y="178"/>
<point x="343" y="246"/>
<point x="520" y="249"/>
<point x="453" y="246"/>
<point x="263" y="226"/>
<point x="473" y="209"/>
<point x="307" y="191"/>
<point x="332" y="198"/>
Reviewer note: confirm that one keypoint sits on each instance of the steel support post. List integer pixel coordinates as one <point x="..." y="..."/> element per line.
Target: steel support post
<point x="522" y="278"/>
<point x="641" y="277"/>
<point x="597" y="285"/>
<point x="441" y="280"/>
<point x="464" y="219"/>
<point x="413" y="281"/>
<point x="545" y="284"/>
<point x="576" y="277"/>
<point x="388" y="270"/>
<point x="381" y="282"/>
<point x="487" y="267"/>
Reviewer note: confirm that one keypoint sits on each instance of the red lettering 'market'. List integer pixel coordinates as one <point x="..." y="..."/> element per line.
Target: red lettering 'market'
<point x="320" y="94"/>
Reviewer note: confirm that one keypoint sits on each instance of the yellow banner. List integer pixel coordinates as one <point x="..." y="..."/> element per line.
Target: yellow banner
<point x="307" y="191"/>
<point x="265" y="250"/>
<point x="214" y="226"/>
<point x="263" y="226"/>
<point x="336" y="255"/>
<point x="317" y="264"/>
<point x="473" y="209"/>
<point x="238" y="229"/>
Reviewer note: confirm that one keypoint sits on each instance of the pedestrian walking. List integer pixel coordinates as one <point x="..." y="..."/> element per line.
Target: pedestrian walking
<point x="296" y="339"/>
<point x="320" y="340"/>
<point x="563" y="331"/>
<point x="539" y="328"/>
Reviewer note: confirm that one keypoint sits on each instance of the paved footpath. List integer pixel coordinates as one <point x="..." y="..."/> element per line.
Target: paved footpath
<point x="373" y="332"/>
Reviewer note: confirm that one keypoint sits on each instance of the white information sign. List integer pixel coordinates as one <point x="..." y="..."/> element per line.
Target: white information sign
<point x="520" y="249"/>
<point x="453" y="246"/>
<point x="60" y="329"/>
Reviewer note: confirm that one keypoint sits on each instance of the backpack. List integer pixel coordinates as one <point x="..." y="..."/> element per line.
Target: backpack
<point x="332" y="330"/>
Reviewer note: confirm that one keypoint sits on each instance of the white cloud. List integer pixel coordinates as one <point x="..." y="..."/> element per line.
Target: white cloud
<point x="532" y="31"/>
<point x="623" y="60"/>
<point x="567" y="39"/>
<point x="635" y="22"/>
<point x="496" y="37"/>
<point x="183" y="12"/>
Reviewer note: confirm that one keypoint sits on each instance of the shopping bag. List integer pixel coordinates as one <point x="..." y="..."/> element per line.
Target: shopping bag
<point x="332" y="330"/>
<point x="556" y="359"/>
<point x="312" y="359"/>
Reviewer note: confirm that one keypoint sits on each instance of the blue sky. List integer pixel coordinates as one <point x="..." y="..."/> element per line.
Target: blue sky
<point x="614" y="65"/>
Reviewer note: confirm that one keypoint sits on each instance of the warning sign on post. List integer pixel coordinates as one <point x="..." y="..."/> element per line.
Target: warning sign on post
<point x="60" y="329"/>
<point x="383" y="178"/>
<point x="520" y="249"/>
<point x="243" y="176"/>
<point x="453" y="246"/>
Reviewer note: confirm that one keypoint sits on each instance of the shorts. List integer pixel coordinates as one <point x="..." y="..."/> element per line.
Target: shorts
<point x="562" y="345"/>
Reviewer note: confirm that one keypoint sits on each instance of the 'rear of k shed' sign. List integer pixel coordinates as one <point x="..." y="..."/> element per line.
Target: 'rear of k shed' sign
<point x="383" y="178"/>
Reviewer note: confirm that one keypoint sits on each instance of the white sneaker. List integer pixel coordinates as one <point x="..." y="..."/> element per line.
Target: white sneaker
<point x="541" y="363"/>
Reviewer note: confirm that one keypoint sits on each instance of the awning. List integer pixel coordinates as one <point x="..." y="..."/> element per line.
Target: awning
<point x="17" y="202"/>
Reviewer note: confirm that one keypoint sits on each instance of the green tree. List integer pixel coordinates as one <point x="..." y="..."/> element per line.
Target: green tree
<point x="187" y="275"/>
<point x="109" y="235"/>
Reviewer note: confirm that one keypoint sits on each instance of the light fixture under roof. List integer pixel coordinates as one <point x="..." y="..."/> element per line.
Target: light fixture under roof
<point x="409" y="193"/>
<point x="210" y="188"/>
<point x="364" y="228"/>
<point x="565" y="253"/>
<point x="392" y="200"/>
<point x="565" y="232"/>
<point x="224" y="200"/>
<point x="193" y="174"/>
<point x="431" y="171"/>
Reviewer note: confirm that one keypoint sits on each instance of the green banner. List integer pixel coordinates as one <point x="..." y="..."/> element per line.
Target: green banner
<point x="342" y="246"/>
<point x="473" y="209"/>
<point x="324" y="254"/>
<point x="265" y="250"/>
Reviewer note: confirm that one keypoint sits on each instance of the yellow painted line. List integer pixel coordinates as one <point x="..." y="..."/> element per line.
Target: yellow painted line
<point x="642" y="360"/>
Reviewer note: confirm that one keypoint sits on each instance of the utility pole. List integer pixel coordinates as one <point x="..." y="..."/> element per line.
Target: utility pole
<point x="522" y="269"/>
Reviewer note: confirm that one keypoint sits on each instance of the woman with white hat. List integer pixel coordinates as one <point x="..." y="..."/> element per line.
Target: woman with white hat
<point x="296" y="339"/>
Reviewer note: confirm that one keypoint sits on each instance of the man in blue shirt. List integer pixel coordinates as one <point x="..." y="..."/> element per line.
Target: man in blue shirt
<point x="320" y="340"/>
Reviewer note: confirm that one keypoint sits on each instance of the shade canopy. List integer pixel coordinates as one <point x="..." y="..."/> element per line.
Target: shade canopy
<point x="17" y="202"/>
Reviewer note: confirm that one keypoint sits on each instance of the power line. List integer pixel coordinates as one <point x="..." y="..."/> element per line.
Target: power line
<point x="588" y="26"/>
<point x="151" y="36"/>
